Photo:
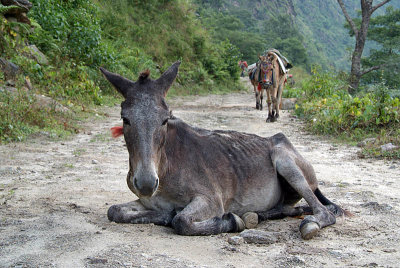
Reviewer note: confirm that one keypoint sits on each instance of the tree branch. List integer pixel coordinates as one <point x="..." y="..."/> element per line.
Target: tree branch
<point x="346" y="15"/>
<point x="373" y="68"/>
<point x="379" y="5"/>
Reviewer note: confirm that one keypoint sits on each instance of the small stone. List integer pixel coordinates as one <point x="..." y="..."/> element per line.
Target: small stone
<point x="259" y="237"/>
<point x="36" y="54"/>
<point x="97" y="260"/>
<point x="388" y="147"/>
<point x="235" y="240"/>
<point x="288" y="103"/>
<point x="361" y="144"/>
<point x="389" y="250"/>
<point x="95" y="162"/>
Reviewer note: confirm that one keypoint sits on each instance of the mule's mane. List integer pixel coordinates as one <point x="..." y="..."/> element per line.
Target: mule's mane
<point x="144" y="75"/>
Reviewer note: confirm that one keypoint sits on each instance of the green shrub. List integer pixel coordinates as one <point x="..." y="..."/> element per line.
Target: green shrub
<point x="328" y="109"/>
<point x="20" y="116"/>
<point x="72" y="27"/>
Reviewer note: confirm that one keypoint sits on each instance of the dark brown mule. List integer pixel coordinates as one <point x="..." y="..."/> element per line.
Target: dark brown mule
<point x="261" y="78"/>
<point x="202" y="182"/>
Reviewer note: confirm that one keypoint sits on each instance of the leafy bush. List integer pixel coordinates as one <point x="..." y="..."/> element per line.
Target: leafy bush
<point x="72" y="27"/>
<point x="328" y="109"/>
<point x="125" y="37"/>
<point x="20" y="116"/>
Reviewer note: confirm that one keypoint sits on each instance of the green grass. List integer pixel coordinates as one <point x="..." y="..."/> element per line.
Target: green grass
<point x="329" y="110"/>
<point x="80" y="36"/>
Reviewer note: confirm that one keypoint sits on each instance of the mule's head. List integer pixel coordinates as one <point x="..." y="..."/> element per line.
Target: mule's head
<point x="145" y="115"/>
<point x="266" y="66"/>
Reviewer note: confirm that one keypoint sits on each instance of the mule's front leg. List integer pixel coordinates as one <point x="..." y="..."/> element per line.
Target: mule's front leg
<point x="269" y="102"/>
<point x="287" y="167"/>
<point x="135" y="212"/>
<point x="257" y="97"/>
<point x="206" y="217"/>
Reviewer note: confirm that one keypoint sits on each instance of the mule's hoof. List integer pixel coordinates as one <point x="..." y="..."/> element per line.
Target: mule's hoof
<point x="113" y="213"/>
<point x="250" y="220"/>
<point x="240" y="226"/>
<point x="309" y="230"/>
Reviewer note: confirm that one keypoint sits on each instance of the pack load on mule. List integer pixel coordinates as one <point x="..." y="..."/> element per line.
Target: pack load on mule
<point x="203" y="182"/>
<point x="270" y="74"/>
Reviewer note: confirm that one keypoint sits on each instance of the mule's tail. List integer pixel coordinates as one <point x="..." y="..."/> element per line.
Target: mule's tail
<point x="335" y="209"/>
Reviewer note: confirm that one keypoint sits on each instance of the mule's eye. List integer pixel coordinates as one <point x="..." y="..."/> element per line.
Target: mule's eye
<point x="126" y="121"/>
<point x="165" y="121"/>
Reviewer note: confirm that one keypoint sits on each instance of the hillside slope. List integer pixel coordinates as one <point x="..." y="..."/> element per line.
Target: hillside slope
<point x="320" y="22"/>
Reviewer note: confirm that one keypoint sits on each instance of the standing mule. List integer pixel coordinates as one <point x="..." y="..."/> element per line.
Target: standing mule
<point x="202" y="182"/>
<point x="261" y="78"/>
<point x="274" y="91"/>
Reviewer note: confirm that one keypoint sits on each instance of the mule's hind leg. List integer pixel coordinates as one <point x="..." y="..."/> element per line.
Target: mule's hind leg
<point x="279" y="96"/>
<point x="205" y="217"/>
<point x="283" y="211"/>
<point x="135" y="212"/>
<point x="286" y="166"/>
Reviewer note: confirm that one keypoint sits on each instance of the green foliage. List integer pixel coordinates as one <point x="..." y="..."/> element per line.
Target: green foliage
<point x="72" y="27"/>
<point x="125" y="36"/>
<point x="11" y="35"/>
<point x="328" y="109"/>
<point x="20" y="115"/>
<point x="384" y="30"/>
<point x="228" y="27"/>
<point x="174" y="33"/>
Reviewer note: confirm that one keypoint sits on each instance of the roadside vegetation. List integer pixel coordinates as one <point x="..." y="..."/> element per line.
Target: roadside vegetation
<point x="209" y="37"/>
<point x="370" y="118"/>
<point x="77" y="37"/>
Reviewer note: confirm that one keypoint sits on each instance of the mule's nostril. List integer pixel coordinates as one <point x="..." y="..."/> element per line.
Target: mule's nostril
<point x="135" y="183"/>
<point x="156" y="186"/>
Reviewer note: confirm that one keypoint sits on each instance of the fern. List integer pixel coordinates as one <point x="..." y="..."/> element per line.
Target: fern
<point x="5" y="9"/>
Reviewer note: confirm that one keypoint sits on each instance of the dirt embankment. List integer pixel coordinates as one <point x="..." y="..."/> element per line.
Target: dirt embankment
<point x="54" y="198"/>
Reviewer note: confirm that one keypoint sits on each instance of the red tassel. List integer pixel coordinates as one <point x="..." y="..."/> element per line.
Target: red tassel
<point x="259" y="87"/>
<point x="117" y="131"/>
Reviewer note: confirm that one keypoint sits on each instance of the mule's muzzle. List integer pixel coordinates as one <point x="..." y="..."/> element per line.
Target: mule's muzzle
<point x="146" y="186"/>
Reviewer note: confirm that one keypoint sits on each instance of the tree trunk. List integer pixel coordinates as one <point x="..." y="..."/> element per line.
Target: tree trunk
<point x="361" y="35"/>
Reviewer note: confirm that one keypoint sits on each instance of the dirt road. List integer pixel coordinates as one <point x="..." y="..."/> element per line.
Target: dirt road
<point x="54" y="197"/>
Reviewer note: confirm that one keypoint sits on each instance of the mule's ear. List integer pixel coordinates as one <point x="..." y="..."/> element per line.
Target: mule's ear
<point x="121" y="84"/>
<point x="168" y="77"/>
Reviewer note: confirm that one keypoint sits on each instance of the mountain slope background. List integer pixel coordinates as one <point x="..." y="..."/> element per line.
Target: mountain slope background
<point x="319" y="22"/>
<point x="129" y="36"/>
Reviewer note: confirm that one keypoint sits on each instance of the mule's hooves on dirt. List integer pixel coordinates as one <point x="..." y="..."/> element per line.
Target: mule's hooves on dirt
<point x="250" y="220"/>
<point x="309" y="230"/>
<point x="240" y="226"/>
<point x="113" y="214"/>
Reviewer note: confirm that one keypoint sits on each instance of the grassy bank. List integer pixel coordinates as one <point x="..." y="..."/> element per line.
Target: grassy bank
<point x="126" y="37"/>
<point x="371" y="118"/>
